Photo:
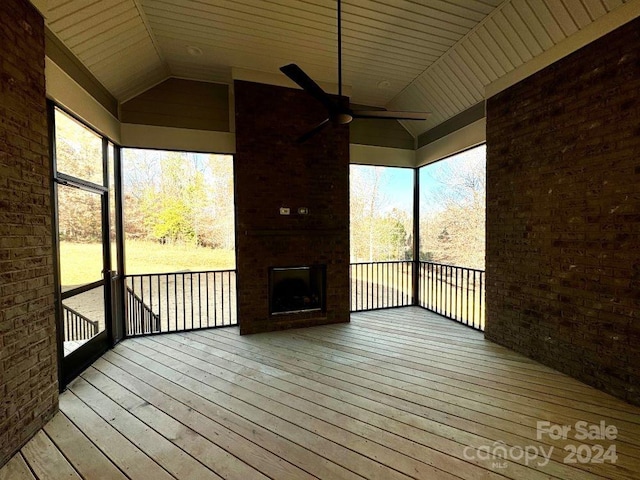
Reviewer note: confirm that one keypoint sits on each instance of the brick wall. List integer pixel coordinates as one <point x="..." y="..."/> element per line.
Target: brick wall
<point x="563" y="215"/>
<point x="274" y="171"/>
<point x="28" y="372"/>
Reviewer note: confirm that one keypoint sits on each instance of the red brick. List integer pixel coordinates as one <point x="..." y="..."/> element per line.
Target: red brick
<point x="278" y="172"/>
<point x="28" y="384"/>
<point x="563" y="214"/>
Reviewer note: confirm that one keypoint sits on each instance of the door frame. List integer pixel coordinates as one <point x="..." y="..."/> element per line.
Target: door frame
<point x="70" y="366"/>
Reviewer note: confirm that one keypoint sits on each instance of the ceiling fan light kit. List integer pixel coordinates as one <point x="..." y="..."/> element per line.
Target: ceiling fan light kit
<point x="339" y="113"/>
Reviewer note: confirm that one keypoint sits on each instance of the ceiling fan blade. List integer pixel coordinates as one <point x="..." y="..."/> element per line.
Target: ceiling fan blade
<point x="295" y="73"/>
<point x="313" y="131"/>
<point x="390" y="115"/>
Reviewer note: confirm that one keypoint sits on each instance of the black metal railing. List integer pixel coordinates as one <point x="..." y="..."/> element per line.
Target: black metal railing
<point x="171" y="302"/>
<point x="454" y="292"/>
<point x="77" y="326"/>
<point x="141" y="319"/>
<point x="376" y="285"/>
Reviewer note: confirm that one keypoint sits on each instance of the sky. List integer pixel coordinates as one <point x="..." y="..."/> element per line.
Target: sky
<point x="434" y="175"/>
<point x="396" y="185"/>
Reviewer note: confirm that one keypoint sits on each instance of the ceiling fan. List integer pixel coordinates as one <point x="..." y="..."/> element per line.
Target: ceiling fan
<point x="339" y="113"/>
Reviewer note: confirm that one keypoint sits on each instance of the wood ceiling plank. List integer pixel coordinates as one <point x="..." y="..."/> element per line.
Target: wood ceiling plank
<point x="578" y="12"/>
<point x="243" y="57"/>
<point x="612" y="4"/>
<point x="514" y="18"/>
<point x="89" y="17"/>
<point x="220" y="18"/>
<point x="548" y="21"/>
<point x="562" y="16"/>
<point x="469" y="88"/>
<point x="595" y="8"/>
<point x="109" y="38"/>
<point x="438" y="54"/>
<point x="453" y="91"/>
<point x="513" y="36"/>
<point x="473" y="63"/>
<point x="57" y="10"/>
<point x="530" y="18"/>
<point x="101" y="51"/>
<point x="247" y="38"/>
<point x="432" y="13"/>
<point x="135" y="53"/>
<point x="436" y="96"/>
<point x="490" y="38"/>
<point x="484" y="59"/>
<point x="92" y="35"/>
<point x="388" y="18"/>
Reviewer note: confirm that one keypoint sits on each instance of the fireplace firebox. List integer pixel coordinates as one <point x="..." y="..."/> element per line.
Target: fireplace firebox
<point x="296" y="289"/>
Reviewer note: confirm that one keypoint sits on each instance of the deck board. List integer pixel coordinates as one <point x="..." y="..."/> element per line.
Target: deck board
<point x="16" y="469"/>
<point x="83" y="455"/>
<point x="395" y="394"/>
<point x="46" y="461"/>
<point x="125" y="454"/>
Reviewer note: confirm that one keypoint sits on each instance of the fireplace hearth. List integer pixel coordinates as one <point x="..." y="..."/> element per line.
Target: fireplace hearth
<point x="296" y="289"/>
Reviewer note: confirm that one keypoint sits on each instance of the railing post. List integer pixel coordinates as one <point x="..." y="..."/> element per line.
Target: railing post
<point x="416" y="237"/>
<point x="120" y="313"/>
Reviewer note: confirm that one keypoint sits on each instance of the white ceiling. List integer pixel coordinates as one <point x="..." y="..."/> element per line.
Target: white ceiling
<point x="432" y="55"/>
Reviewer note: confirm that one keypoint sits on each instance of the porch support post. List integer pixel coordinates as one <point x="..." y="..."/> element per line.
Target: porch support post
<point x="416" y="236"/>
<point x="120" y="312"/>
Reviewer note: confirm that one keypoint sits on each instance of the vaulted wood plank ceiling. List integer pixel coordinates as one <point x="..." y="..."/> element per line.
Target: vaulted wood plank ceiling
<point x="433" y="55"/>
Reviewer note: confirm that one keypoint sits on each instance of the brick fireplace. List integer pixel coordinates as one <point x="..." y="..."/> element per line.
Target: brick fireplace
<point x="273" y="174"/>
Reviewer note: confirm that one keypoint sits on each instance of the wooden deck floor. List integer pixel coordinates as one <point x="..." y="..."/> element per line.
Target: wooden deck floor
<point x="395" y="394"/>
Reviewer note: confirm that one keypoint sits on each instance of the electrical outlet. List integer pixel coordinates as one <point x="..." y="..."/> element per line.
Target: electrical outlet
<point x="285" y="211"/>
<point x="303" y="211"/>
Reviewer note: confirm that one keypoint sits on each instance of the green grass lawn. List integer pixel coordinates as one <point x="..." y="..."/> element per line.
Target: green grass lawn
<point x="82" y="262"/>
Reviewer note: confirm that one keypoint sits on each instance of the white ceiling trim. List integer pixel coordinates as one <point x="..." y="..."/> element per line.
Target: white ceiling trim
<point x="383" y="156"/>
<point x="171" y="138"/>
<point x="456" y="142"/>
<point x="65" y="91"/>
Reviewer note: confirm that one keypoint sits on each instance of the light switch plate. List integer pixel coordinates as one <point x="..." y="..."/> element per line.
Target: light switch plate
<point x="285" y="211"/>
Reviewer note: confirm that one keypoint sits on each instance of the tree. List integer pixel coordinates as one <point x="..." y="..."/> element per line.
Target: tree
<point x="377" y="232"/>
<point x="453" y="198"/>
<point x="391" y="239"/>
<point x="79" y="154"/>
<point x="179" y="197"/>
<point x="171" y="207"/>
<point x="219" y="233"/>
<point x="365" y="204"/>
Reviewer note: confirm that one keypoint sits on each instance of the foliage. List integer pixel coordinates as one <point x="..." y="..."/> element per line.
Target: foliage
<point x="179" y="198"/>
<point x="452" y="213"/>
<point x="452" y="220"/>
<point x="171" y="207"/>
<point x="377" y="233"/>
<point x="172" y="198"/>
<point x="78" y="153"/>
